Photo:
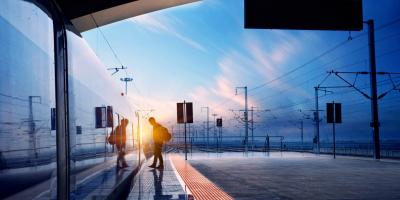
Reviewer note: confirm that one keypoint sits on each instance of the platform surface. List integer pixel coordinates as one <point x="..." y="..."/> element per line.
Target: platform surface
<point x="157" y="184"/>
<point x="178" y="180"/>
<point x="299" y="176"/>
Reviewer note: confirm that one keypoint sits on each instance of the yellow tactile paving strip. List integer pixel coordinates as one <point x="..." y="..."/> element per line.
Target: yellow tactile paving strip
<point x="200" y="187"/>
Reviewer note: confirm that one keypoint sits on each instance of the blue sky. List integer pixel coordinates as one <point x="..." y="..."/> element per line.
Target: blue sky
<point x="200" y="52"/>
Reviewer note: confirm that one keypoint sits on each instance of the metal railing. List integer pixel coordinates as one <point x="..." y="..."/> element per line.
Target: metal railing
<point x="27" y="157"/>
<point x="235" y="143"/>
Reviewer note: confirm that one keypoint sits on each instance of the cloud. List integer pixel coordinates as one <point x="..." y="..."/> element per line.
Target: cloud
<point x="274" y="61"/>
<point x="259" y="57"/>
<point x="163" y="23"/>
<point x="257" y="62"/>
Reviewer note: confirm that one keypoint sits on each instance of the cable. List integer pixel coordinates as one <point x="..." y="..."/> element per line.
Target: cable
<point x="383" y="26"/>
<point x="341" y="67"/>
<point x="309" y="99"/>
<point x="295" y="69"/>
<point x="108" y="43"/>
<point x="299" y="67"/>
<point x="378" y="28"/>
<point x="321" y="55"/>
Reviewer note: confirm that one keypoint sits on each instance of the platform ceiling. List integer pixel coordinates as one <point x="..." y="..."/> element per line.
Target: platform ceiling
<point x="84" y="14"/>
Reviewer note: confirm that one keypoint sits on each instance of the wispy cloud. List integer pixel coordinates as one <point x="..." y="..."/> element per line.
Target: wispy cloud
<point x="163" y="23"/>
<point x="257" y="62"/>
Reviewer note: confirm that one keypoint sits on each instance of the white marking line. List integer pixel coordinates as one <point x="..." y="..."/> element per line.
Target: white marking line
<point x="186" y="189"/>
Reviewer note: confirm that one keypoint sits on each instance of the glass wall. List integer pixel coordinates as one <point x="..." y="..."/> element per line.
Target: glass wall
<point x="96" y="111"/>
<point x="27" y="101"/>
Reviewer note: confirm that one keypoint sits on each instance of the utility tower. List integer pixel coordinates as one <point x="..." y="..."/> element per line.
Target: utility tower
<point x="317" y="120"/>
<point x="252" y="110"/>
<point x="374" y="91"/>
<point x="246" y="118"/>
<point x="304" y="116"/>
<point x="369" y="97"/>
<point x="215" y="125"/>
<point x="32" y="124"/>
<point x="208" y="123"/>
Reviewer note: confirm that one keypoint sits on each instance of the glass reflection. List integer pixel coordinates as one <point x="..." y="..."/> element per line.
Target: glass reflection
<point x="27" y="140"/>
<point x="100" y="119"/>
<point x="158" y="175"/>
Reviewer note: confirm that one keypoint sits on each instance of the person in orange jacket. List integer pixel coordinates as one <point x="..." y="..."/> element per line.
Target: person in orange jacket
<point x="158" y="143"/>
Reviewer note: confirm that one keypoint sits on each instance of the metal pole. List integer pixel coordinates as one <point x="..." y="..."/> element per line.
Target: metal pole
<point x="220" y="136"/>
<point x="32" y="127"/>
<point x="133" y="136"/>
<point x="374" y="92"/>
<point x="302" y="134"/>
<point x="334" y="139"/>
<point x="106" y="137"/>
<point x="217" y="136"/>
<point x="208" y="128"/>
<point x="185" y="144"/>
<point x="184" y="110"/>
<point x="126" y="87"/>
<point x="208" y="125"/>
<point x="61" y="94"/>
<point x="252" y="128"/>
<point x="317" y="119"/>
<point x="204" y="134"/>
<point x="334" y="133"/>
<point x="139" y="136"/>
<point x="214" y="129"/>
<point x="246" y="119"/>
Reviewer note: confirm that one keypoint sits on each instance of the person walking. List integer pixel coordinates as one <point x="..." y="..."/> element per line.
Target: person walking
<point x="160" y="134"/>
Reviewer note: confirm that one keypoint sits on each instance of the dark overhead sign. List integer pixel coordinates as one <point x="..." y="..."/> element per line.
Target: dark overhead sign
<point x="334" y="113"/>
<point x="304" y="14"/>
<point x="219" y="122"/>
<point x="180" y="113"/>
<point x="189" y="112"/>
<point x="184" y="112"/>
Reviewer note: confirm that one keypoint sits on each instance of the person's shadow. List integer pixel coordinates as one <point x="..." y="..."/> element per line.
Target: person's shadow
<point x="158" y="179"/>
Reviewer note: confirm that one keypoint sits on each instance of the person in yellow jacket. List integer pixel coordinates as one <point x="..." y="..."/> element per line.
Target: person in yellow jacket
<point x="158" y="143"/>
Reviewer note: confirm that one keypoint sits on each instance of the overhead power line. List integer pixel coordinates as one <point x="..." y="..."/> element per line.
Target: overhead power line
<point x="397" y="20"/>
<point x="108" y="43"/>
<point x="321" y="55"/>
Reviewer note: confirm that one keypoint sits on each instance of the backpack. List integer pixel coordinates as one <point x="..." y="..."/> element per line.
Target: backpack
<point x="112" y="137"/>
<point x="165" y="135"/>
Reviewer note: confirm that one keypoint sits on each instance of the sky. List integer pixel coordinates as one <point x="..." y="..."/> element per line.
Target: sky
<point x="200" y="52"/>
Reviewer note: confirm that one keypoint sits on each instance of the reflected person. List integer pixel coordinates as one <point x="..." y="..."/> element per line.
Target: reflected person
<point x="120" y="133"/>
<point x="158" y="184"/>
<point x="158" y="189"/>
